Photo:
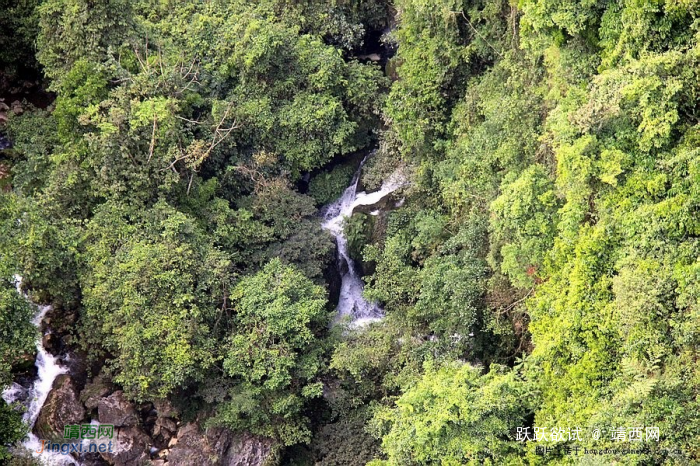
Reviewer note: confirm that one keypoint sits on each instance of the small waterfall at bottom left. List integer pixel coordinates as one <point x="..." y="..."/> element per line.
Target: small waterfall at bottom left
<point x="34" y="396"/>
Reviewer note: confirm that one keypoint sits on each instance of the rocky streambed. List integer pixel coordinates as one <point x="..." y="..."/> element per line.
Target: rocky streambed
<point x="61" y="393"/>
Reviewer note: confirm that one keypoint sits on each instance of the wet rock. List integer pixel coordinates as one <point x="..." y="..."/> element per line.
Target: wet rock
<point x="145" y="408"/>
<point x="150" y="419"/>
<point x="130" y="447"/>
<point x="62" y="407"/>
<point x="15" y="393"/>
<point x="371" y="57"/>
<point x="98" y="388"/>
<point x="117" y="411"/>
<point x="166" y="423"/>
<point x="4" y="108"/>
<point x="221" y="447"/>
<point x="24" y="367"/>
<point x="385" y="204"/>
<point x="333" y="277"/>
<point x="77" y="364"/>
<point x="70" y="317"/>
<point x="51" y="343"/>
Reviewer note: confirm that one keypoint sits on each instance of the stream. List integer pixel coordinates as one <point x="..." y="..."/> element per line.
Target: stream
<point x="351" y="303"/>
<point x="34" y="396"/>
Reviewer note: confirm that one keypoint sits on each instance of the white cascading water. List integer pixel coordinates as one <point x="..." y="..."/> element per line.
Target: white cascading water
<point x="47" y="371"/>
<point x="351" y="302"/>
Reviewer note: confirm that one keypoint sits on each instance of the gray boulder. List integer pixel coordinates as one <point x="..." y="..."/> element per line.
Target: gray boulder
<point x="62" y="408"/>
<point x="117" y="411"/>
<point x="221" y="447"/>
<point x="130" y="447"/>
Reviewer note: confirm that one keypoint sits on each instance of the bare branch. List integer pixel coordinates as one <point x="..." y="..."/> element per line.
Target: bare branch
<point x="478" y="34"/>
<point x="153" y="138"/>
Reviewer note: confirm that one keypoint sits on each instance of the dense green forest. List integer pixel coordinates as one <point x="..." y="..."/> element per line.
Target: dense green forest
<point x="541" y="273"/>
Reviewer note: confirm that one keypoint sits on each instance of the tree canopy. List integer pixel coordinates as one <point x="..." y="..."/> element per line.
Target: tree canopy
<point x="538" y="269"/>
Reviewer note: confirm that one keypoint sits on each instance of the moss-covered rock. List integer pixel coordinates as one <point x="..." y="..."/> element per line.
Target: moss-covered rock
<point x="62" y="408"/>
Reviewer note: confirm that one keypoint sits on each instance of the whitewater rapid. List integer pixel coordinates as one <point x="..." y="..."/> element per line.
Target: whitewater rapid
<point x="34" y="397"/>
<point x="351" y="302"/>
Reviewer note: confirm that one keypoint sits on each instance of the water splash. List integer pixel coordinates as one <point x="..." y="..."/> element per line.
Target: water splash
<point x="34" y="397"/>
<point x="351" y="302"/>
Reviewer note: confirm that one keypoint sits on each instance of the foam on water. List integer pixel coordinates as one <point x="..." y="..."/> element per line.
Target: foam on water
<point x="351" y="302"/>
<point x="47" y="371"/>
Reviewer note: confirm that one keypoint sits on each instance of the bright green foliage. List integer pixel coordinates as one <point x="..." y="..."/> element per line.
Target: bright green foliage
<point x="74" y="30"/>
<point x="39" y="247"/>
<point x="454" y="416"/>
<point x="523" y="224"/>
<point x="34" y="136"/>
<point x="441" y="44"/>
<point x="151" y="295"/>
<point x="429" y="58"/>
<point x="165" y="171"/>
<point x="549" y="222"/>
<point x="273" y="355"/>
<point x="340" y="22"/>
<point x="450" y="293"/>
<point x="345" y="442"/>
<point x="395" y="282"/>
<point x="358" y="232"/>
<point x="17" y="337"/>
<point x="213" y="88"/>
<point x="12" y="429"/>
<point x="294" y="235"/>
<point x="580" y="153"/>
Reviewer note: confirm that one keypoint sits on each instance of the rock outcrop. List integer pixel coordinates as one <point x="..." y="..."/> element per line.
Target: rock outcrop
<point x="220" y="447"/>
<point x="117" y="411"/>
<point x="98" y="388"/>
<point x="62" y="407"/>
<point x="131" y="447"/>
<point x="148" y="435"/>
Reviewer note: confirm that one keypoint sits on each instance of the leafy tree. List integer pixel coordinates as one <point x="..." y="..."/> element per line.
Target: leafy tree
<point x="152" y="291"/>
<point x="274" y="353"/>
<point x="39" y="247"/>
<point x="523" y="224"/>
<point x="295" y="235"/>
<point x="18" y="333"/>
<point x="12" y="429"/>
<point x="455" y="416"/>
<point x="74" y="30"/>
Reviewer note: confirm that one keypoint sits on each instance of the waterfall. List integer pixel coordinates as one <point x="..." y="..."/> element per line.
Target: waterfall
<point x="351" y="302"/>
<point x="35" y="395"/>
